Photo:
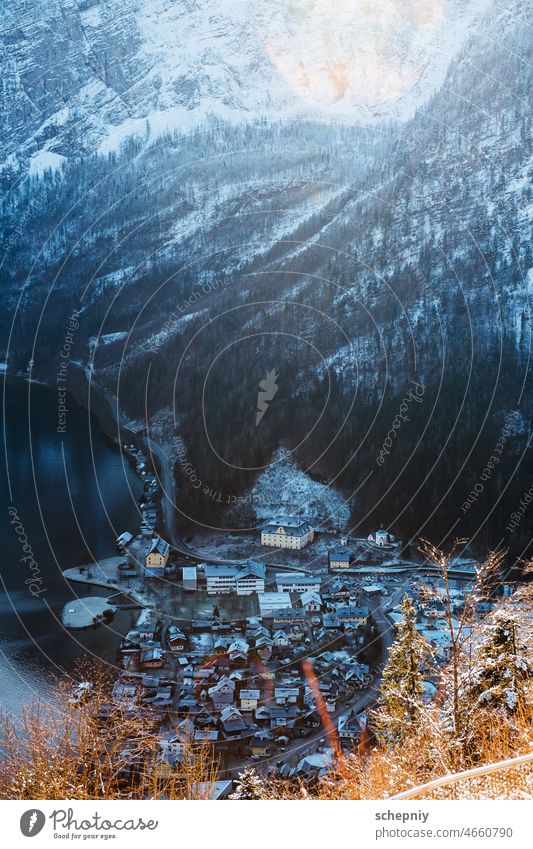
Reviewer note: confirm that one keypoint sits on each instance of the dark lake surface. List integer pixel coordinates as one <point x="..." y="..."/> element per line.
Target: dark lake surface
<point x="74" y="493"/>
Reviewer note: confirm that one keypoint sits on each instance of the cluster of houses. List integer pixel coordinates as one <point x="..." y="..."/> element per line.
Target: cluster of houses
<point x="431" y="615"/>
<point x="239" y="685"/>
<point x="377" y="544"/>
<point x="433" y="624"/>
<point x="242" y="689"/>
<point x="148" y="554"/>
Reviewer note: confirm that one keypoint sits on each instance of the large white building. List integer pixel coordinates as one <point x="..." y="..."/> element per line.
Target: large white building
<point x="287" y="533"/>
<point x="250" y="579"/>
<point x="241" y="580"/>
<point x="297" y="582"/>
<point x="270" y="602"/>
<point x="220" y="579"/>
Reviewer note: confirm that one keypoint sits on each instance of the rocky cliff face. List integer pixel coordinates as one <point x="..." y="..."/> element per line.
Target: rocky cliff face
<point x="351" y="260"/>
<point x="82" y="75"/>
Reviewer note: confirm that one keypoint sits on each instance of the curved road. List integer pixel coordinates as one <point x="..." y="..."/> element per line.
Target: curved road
<point x="168" y="500"/>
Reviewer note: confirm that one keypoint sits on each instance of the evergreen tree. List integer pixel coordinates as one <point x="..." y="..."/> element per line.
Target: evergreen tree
<point x="402" y="685"/>
<point x="249" y="785"/>
<point x="501" y="670"/>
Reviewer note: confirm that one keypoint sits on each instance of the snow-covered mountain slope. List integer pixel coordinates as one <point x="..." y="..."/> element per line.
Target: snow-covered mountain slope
<point x="399" y="251"/>
<point x="83" y="75"/>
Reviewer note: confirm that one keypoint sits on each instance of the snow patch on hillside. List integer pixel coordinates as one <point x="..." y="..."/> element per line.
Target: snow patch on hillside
<point x="44" y="160"/>
<point x="107" y="338"/>
<point x="283" y="489"/>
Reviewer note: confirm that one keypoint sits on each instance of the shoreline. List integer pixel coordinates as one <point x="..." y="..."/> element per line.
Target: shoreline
<point x="87" y="613"/>
<point x="36" y="639"/>
<point x="107" y="580"/>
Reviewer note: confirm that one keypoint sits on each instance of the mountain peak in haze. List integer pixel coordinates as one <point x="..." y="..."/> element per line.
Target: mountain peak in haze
<point x="83" y="76"/>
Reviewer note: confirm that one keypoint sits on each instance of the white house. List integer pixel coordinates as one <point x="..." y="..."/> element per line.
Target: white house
<point x="124" y="540"/>
<point x="222" y="693"/>
<point x="152" y="656"/>
<point x="171" y="742"/>
<point x="287" y="533"/>
<point x="381" y="538"/>
<point x="249" y="699"/>
<point x="238" y="650"/>
<point x="281" y="639"/>
<point x="286" y="695"/>
<point x="311" y="601"/>
<point x="232" y="721"/>
<point x="157" y="556"/>
<point x="297" y="582"/>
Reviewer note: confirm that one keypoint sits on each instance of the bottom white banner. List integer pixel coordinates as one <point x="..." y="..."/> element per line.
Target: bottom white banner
<point x="267" y="824"/>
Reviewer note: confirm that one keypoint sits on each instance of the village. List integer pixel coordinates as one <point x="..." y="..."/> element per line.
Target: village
<point x="255" y="658"/>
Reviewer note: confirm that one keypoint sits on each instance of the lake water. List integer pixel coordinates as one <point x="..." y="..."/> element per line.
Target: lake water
<point x="74" y="493"/>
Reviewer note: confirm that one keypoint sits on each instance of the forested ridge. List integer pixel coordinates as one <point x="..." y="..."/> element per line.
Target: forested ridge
<point x="354" y="261"/>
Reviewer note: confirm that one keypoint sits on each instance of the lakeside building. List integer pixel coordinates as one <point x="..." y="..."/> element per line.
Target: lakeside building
<point x="297" y="582"/>
<point x="287" y="533"/>
<point x="123" y="541"/>
<point x="157" y="556"/>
